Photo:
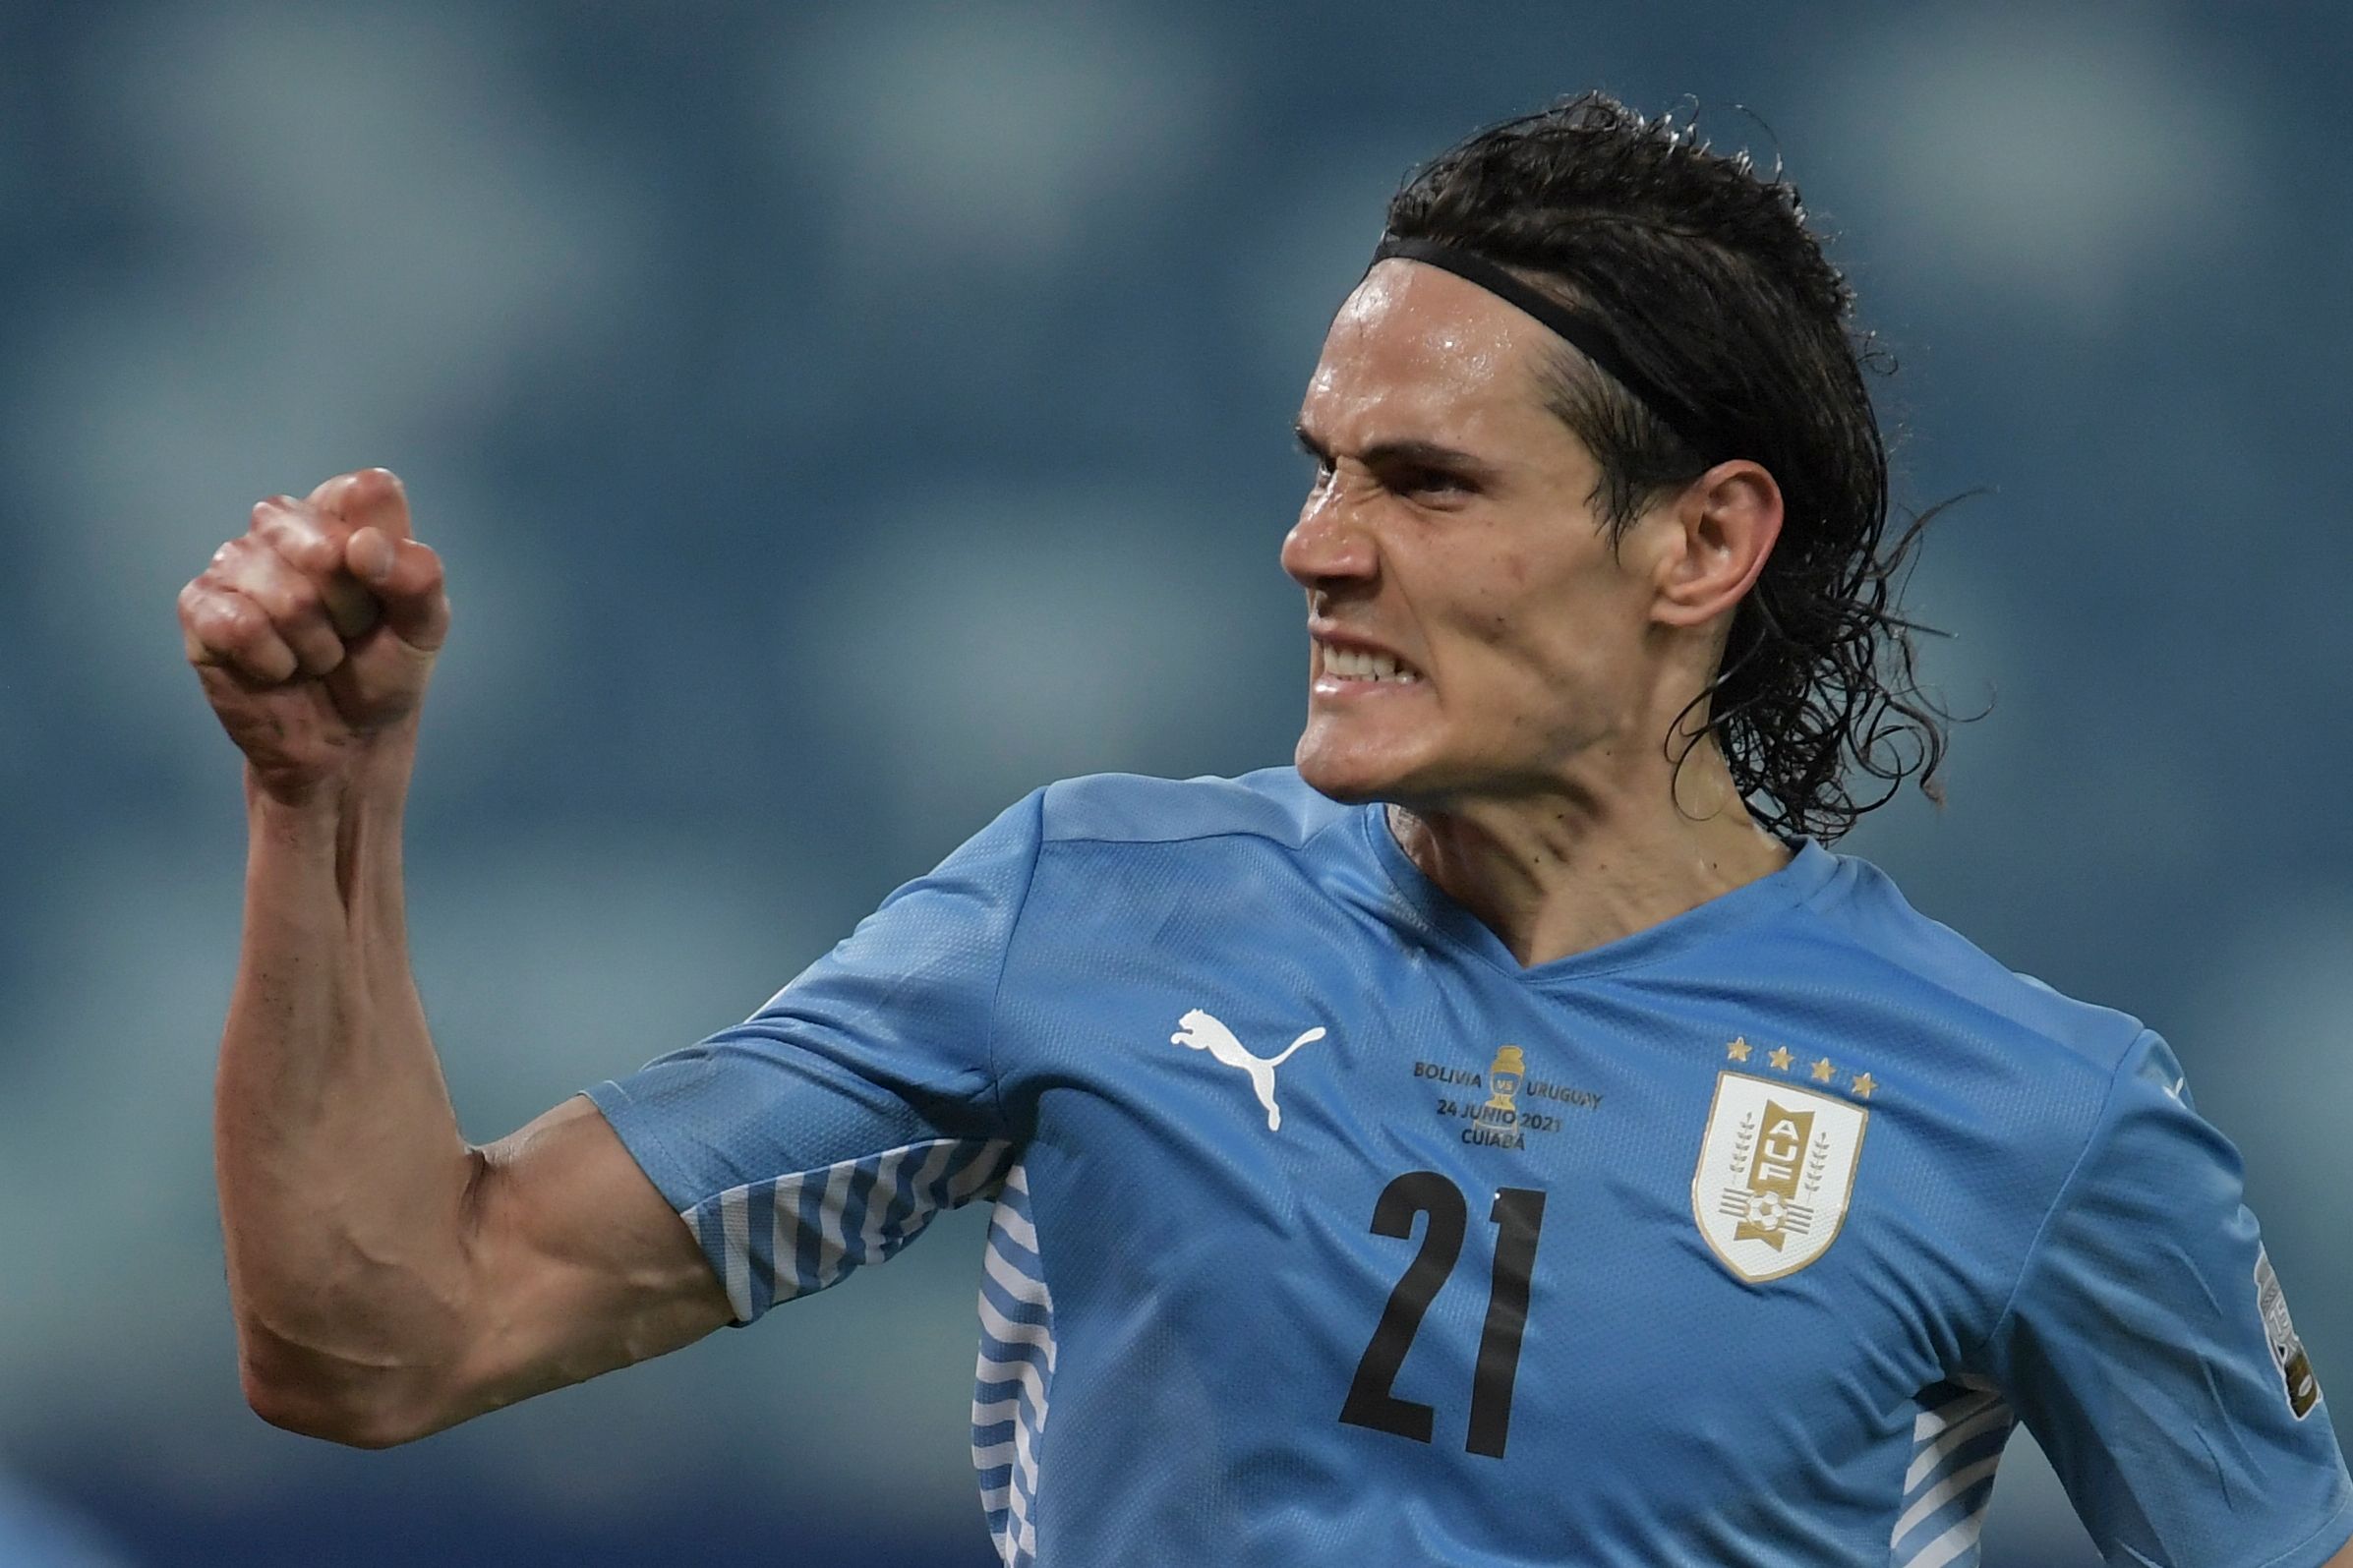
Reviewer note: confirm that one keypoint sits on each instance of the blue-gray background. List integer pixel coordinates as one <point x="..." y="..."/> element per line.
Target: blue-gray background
<point x="838" y="419"/>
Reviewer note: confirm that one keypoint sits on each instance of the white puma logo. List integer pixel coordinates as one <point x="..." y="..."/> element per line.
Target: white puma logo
<point x="1199" y="1031"/>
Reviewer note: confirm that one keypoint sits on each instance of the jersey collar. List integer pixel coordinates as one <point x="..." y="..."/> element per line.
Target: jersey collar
<point x="1428" y="908"/>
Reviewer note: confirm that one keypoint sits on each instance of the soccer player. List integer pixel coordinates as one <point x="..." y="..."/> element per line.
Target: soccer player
<point x="1510" y="1136"/>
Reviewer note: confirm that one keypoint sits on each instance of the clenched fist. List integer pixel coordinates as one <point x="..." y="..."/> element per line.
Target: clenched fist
<point x="314" y="632"/>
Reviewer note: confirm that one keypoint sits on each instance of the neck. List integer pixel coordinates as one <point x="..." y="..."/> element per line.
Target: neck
<point x="1575" y="867"/>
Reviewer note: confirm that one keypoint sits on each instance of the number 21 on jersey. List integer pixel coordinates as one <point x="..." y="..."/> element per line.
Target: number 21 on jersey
<point x="1517" y="1214"/>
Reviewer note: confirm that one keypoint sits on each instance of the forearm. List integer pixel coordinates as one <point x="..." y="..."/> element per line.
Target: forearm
<point x="344" y="1181"/>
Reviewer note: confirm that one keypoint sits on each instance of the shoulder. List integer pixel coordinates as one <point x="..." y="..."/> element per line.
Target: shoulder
<point x="1111" y="849"/>
<point x="1998" y="1061"/>
<point x="1273" y="805"/>
<point x="1981" y="997"/>
<point x="2008" y="1089"/>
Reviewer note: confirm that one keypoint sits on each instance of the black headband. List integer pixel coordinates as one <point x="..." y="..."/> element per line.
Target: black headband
<point x="1585" y="333"/>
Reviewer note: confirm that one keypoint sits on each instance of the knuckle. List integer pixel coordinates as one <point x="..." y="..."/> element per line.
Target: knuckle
<point x="304" y="549"/>
<point x="286" y="597"/>
<point x="222" y="625"/>
<point x="274" y="514"/>
<point x="234" y="623"/>
<point x="285" y="519"/>
<point x="314" y="550"/>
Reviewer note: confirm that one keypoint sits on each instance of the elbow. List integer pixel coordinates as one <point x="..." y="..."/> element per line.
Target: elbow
<point x="334" y="1407"/>
<point x="303" y="1412"/>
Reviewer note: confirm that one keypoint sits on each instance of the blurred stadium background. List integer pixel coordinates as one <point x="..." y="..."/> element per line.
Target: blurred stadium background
<point x="839" y="419"/>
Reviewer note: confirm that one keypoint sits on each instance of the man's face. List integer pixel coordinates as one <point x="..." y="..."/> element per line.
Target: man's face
<point x="1474" y="633"/>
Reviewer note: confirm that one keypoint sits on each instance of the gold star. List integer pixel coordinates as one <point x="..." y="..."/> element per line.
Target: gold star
<point x="1822" y="1071"/>
<point x="1738" y="1051"/>
<point x="1863" y="1085"/>
<point x="1778" y="1056"/>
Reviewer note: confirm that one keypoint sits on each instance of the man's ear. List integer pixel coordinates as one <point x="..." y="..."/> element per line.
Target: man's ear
<point x="1724" y="526"/>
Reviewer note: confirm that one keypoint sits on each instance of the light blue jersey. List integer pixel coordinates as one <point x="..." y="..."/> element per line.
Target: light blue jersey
<point x="1325" y="1233"/>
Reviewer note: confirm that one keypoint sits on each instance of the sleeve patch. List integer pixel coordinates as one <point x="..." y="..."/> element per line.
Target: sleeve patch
<point x="2296" y="1377"/>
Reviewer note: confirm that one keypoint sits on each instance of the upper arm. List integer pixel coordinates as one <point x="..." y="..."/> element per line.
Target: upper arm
<point x="575" y="1266"/>
<point x="2149" y="1348"/>
<point x="769" y="1160"/>
<point x="824" y="1131"/>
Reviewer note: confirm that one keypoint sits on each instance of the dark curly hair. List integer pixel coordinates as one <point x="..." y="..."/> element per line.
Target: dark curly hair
<point x="1720" y="296"/>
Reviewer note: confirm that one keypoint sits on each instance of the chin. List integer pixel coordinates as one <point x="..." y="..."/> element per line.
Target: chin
<point x="1350" y="775"/>
<point x="1345" y="789"/>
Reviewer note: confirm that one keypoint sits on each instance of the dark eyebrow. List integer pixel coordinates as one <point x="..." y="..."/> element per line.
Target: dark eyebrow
<point x="1401" y="454"/>
<point x="1423" y="454"/>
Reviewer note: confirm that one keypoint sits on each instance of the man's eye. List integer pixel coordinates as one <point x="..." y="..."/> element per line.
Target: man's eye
<point x="1433" y="481"/>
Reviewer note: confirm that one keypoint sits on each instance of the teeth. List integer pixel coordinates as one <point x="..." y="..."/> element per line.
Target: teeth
<point x="1349" y="663"/>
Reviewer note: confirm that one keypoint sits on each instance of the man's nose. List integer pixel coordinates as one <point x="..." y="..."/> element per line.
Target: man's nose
<point x="1330" y="547"/>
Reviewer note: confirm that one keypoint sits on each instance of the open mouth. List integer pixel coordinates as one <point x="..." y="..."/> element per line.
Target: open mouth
<point x="1363" y="665"/>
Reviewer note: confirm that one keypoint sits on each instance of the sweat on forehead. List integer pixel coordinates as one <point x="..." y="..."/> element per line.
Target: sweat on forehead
<point x="1452" y="314"/>
<point x="1414" y="328"/>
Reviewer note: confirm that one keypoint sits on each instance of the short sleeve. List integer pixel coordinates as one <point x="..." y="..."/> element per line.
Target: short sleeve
<point x="826" y="1131"/>
<point x="2149" y="1349"/>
